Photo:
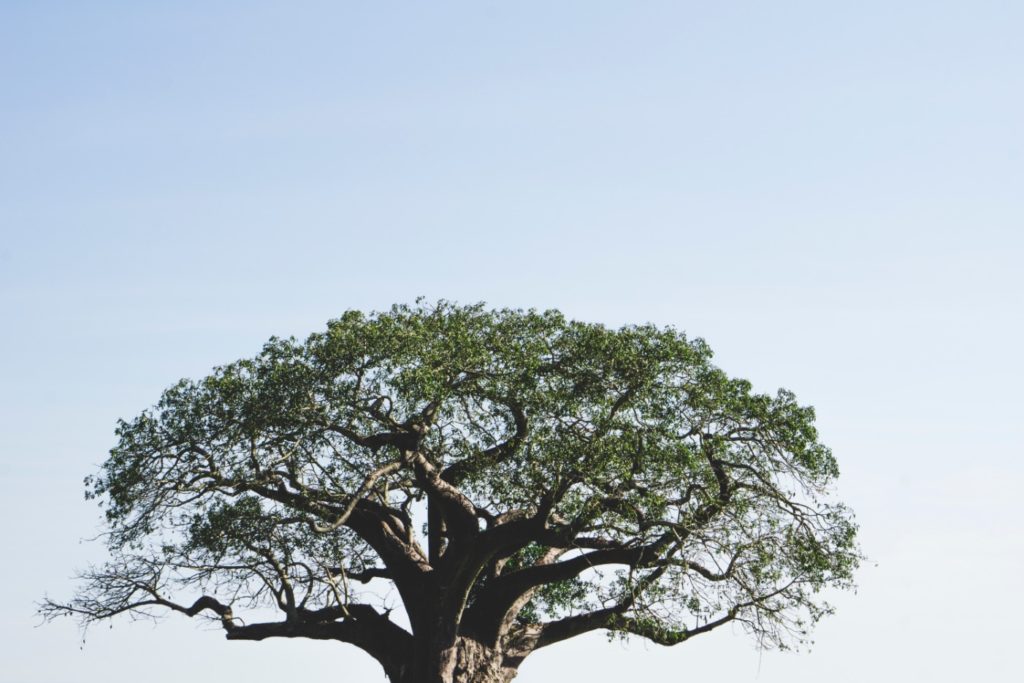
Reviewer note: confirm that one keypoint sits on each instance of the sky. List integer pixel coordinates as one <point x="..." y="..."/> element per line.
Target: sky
<point x="830" y="194"/>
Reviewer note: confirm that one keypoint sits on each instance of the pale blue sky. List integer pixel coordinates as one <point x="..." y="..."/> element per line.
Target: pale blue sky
<point x="829" y="193"/>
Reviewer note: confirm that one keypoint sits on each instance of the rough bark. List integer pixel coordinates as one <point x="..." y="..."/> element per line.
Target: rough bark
<point x="465" y="661"/>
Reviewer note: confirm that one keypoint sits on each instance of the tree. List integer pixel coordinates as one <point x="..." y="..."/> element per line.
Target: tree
<point x="515" y="478"/>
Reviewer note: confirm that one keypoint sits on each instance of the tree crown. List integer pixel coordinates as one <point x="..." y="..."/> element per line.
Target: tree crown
<point x="517" y="476"/>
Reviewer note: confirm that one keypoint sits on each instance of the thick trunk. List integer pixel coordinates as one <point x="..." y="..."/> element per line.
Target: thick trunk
<point x="467" y="661"/>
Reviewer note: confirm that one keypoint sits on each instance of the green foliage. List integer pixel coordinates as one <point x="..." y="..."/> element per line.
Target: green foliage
<point x="633" y="427"/>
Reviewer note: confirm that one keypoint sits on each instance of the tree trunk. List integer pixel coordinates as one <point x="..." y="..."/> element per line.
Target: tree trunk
<point x="467" y="661"/>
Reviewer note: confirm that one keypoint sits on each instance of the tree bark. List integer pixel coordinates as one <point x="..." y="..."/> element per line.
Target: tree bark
<point x="465" y="661"/>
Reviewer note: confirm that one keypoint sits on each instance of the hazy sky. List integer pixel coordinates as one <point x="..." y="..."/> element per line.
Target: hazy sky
<point x="831" y="194"/>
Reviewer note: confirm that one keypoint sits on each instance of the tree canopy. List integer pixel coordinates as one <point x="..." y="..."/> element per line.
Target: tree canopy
<point x="505" y="479"/>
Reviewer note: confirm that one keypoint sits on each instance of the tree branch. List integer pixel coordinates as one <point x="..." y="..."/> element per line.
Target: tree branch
<point x="494" y="455"/>
<point x="360" y="625"/>
<point x="367" y="484"/>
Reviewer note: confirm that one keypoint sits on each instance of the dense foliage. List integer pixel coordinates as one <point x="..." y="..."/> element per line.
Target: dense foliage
<point x="518" y="478"/>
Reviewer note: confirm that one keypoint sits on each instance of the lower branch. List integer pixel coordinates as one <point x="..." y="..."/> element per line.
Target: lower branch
<point x="358" y="624"/>
<point x="612" y="619"/>
<point x="363" y="627"/>
<point x="95" y="611"/>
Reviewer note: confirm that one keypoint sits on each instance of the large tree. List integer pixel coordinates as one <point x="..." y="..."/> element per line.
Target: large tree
<point x="512" y="477"/>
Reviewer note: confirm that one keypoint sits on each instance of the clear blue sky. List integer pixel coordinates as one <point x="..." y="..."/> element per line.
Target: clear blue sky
<point x="832" y="194"/>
